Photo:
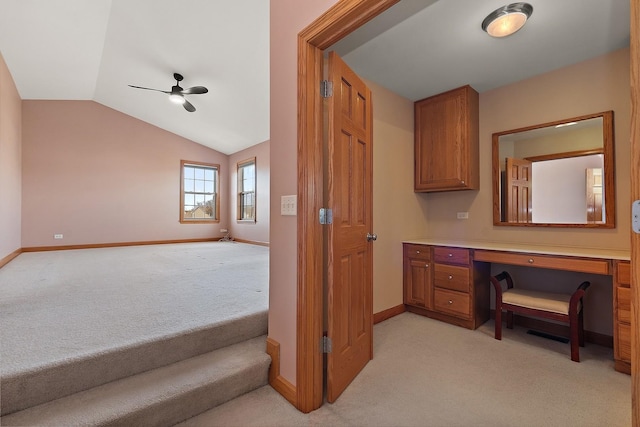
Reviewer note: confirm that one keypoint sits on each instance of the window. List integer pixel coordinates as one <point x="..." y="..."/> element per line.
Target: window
<point x="199" y="192"/>
<point x="247" y="190"/>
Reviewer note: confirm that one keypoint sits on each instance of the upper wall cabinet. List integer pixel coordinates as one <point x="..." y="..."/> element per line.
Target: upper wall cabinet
<point x="446" y="141"/>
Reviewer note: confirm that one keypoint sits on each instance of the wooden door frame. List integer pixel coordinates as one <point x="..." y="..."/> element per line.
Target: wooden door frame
<point x="337" y="22"/>
<point x="634" y="53"/>
<point x="341" y="19"/>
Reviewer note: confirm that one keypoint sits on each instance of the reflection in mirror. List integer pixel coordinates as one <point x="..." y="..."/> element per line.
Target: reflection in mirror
<point x="556" y="174"/>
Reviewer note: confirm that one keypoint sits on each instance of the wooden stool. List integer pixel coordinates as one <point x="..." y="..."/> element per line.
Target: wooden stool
<point x="560" y="307"/>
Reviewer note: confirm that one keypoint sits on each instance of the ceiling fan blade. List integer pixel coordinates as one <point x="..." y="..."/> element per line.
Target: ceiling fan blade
<point x="148" y="88"/>
<point x="195" y="90"/>
<point x="189" y="106"/>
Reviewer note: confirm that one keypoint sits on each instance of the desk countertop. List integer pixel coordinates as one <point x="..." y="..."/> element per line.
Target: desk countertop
<point x="616" y="254"/>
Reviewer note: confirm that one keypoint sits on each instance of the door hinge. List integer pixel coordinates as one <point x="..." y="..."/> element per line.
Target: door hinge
<point x="326" y="89"/>
<point x="326" y="216"/>
<point x="326" y="344"/>
<point x="635" y="216"/>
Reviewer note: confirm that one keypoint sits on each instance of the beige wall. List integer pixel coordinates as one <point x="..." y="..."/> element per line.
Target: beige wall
<point x="288" y="18"/>
<point x="398" y="212"/>
<point x="10" y="163"/>
<point x="257" y="231"/>
<point x="99" y="176"/>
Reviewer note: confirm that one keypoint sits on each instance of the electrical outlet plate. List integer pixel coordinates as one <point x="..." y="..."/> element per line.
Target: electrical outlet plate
<point x="289" y="205"/>
<point x="463" y="215"/>
<point x="57" y="236"/>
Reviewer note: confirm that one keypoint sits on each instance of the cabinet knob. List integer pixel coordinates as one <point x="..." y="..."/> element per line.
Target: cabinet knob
<point x="426" y="266"/>
<point x="450" y="255"/>
<point x="530" y="260"/>
<point x="450" y="277"/>
<point x="450" y="302"/>
<point x="417" y="252"/>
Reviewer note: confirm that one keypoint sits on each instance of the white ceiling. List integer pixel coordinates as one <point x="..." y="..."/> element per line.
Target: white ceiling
<point x="91" y="50"/>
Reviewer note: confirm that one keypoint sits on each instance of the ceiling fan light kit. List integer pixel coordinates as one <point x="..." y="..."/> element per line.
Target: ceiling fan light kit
<point x="507" y="20"/>
<point x="176" y="94"/>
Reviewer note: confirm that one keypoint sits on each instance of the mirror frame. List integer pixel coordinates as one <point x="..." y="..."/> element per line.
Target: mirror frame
<point x="609" y="173"/>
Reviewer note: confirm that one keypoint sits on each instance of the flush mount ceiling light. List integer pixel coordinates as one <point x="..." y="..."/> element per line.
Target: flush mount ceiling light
<point x="507" y="20"/>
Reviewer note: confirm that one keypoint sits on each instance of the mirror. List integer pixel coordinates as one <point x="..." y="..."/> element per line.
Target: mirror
<point x="558" y="174"/>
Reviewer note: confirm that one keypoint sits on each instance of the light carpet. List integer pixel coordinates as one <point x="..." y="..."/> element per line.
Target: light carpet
<point x="62" y="305"/>
<point x="429" y="373"/>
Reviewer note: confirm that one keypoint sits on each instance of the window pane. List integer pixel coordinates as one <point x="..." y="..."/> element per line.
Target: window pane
<point x="188" y="172"/>
<point x="189" y="185"/>
<point x="208" y="175"/>
<point x="208" y="187"/>
<point x="189" y="200"/>
<point x="199" y="186"/>
<point x="199" y="173"/>
<point x="199" y="199"/>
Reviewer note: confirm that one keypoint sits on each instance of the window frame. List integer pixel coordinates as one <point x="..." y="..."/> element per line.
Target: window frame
<point x="216" y="192"/>
<point x="240" y="189"/>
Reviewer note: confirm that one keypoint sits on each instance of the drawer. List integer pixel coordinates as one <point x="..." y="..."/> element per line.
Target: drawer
<point x="452" y="302"/>
<point x="583" y="265"/>
<point x="624" y="342"/>
<point x="451" y="277"/>
<point x="417" y="251"/>
<point x="623" y="298"/>
<point x="623" y="273"/>
<point x="451" y="255"/>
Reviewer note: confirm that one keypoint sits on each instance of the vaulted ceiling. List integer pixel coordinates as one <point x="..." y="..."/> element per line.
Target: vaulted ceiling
<point x="92" y="50"/>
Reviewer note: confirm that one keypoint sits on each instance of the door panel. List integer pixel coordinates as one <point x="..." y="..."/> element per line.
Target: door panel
<point x="519" y="190"/>
<point x="349" y="257"/>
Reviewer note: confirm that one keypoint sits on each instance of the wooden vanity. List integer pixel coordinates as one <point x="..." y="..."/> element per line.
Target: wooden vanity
<point x="449" y="281"/>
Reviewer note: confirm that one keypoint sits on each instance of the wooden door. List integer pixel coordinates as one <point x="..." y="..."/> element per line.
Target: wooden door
<point x="518" y="190"/>
<point x="349" y="258"/>
<point x="595" y="201"/>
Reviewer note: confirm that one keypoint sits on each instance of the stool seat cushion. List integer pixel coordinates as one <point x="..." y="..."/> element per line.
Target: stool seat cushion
<point x="546" y="301"/>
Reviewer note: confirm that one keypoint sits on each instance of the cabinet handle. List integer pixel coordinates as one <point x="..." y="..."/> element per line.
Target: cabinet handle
<point x="417" y="252"/>
<point x="450" y="277"/>
<point x="450" y="302"/>
<point x="530" y="260"/>
<point x="426" y="266"/>
<point x="450" y="255"/>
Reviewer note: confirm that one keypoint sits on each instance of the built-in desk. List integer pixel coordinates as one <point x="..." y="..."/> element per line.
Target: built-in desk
<point x="431" y="270"/>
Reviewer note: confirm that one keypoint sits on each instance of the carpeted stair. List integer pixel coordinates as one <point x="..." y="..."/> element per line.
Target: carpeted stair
<point x="156" y="383"/>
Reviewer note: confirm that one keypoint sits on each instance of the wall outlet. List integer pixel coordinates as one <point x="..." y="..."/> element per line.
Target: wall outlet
<point x="463" y="215"/>
<point x="223" y="230"/>
<point x="57" y="236"/>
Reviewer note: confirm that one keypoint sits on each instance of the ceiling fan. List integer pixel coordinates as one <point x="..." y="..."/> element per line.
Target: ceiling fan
<point x="176" y="94"/>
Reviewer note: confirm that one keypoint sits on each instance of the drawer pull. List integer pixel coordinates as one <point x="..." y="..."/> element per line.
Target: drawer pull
<point x="450" y="277"/>
<point x="450" y="255"/>
<point x="426" y="266"/>
<point x="450" y="302"/>
<point x="530" y="260"/>
<point x="417" y="252"/>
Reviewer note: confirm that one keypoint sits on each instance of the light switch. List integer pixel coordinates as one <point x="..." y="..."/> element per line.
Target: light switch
<point x="289" y="205"/>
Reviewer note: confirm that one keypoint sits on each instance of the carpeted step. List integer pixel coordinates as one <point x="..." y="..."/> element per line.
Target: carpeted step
<point x="161" y="397"/>
<point x="21" y="390"/>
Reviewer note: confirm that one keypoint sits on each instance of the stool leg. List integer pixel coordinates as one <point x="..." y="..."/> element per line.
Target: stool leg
<point x="509" y="319"/>
<point x="574" y="337"/>
<point x="581" y="327"/>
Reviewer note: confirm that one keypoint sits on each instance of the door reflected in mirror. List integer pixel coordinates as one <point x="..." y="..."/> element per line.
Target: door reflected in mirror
<point x="556" y="174"/>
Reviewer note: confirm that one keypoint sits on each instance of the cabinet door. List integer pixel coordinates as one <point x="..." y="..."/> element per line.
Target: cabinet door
<point x="417" y="283"/>
<point x="446" y="141"/>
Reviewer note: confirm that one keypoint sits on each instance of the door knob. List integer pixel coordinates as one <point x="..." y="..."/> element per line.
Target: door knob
<point x="371" y="237"/>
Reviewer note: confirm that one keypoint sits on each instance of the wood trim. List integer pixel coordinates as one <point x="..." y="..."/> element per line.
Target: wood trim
<point x="567" y="155"/>
<point x="557" y="329"/>
<point x="635" y="195"/>
<point x="116" y="244"/>
<point x="4" y="261"/>
<point x="383" y="315"/>
<point x="251" y="242"/>
<point x="341" y="19"/>
<point x="277" y="381"/>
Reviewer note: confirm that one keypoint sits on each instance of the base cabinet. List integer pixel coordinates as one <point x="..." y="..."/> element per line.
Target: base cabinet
<point x="622" y="316"/>
<point x="443" y="283"/>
